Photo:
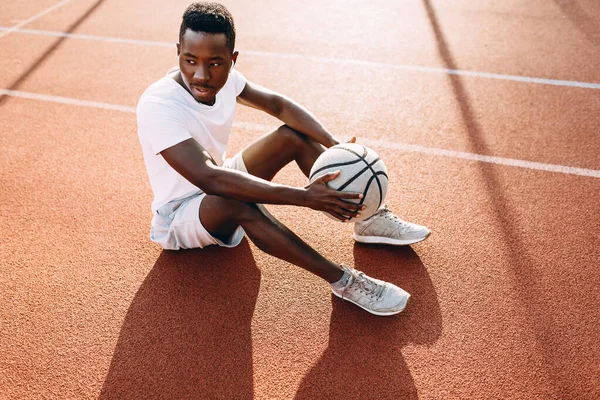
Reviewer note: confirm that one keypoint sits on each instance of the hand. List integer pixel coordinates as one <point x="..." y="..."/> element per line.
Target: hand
<point x="321" y="197"/>
<point x="336" y="141"/>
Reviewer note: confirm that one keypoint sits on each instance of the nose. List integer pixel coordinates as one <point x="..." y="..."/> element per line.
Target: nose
<point x="201" y="73"/>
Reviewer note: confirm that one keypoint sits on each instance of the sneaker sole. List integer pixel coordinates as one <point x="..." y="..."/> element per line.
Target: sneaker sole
<point x="378" y="313"/>
<point x="384" y="240"/>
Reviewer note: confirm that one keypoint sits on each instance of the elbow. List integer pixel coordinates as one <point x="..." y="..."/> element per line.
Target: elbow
<point x="210" y="189"/>
<point x="209" y="185"/>
<point x="278" y="106"/>
<point x="211" y="182"/>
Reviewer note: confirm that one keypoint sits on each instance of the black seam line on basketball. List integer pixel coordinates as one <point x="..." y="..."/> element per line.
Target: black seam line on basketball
<point x="355" y="153"/>
<point x="368" y="185"/>
<point x="374" y="175"/>
<point x="363" y="157"/>
<point x="383" y="173"/>
<point x="380" y="188"/>
<point x="360" y="203"/>
<point x="333" y="166"/>
<point x="349" y="181"/>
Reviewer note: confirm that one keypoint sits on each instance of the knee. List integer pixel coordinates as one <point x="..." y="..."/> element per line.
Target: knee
<point x="241" y="212"/>
<point x="290" y="137"/>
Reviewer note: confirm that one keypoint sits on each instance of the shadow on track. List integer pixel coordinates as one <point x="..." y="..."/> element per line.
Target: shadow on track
<point x="187" y="332"/>
<point x="586" y="23"/>
<point x="364" y="358"/>
<point x="38" y="62"/>
<point x="528" y="286"/>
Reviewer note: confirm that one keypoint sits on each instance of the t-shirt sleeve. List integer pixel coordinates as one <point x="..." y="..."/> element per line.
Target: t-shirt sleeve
<point x="161" y="125"/>
<point x="239" y="81"/>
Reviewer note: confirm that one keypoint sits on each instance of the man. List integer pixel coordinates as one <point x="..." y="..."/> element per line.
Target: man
<point x="202" y="198"/>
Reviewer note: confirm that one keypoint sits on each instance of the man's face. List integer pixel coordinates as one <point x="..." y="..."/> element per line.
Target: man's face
<point x="204" y="61"/>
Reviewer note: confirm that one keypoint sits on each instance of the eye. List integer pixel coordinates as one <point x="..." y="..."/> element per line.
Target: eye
<point x="191" y="62"/>
<point x="215" y="64"/>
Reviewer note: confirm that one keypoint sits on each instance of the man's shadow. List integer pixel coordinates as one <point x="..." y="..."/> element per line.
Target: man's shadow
<point x="187" y="332"/>
<point x="364" y="358"/>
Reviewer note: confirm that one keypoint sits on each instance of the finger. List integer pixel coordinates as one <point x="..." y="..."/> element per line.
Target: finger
<point x="351" y="207"/>
<point x="338" y="216"/>
<point x="352" y="140"/>
<point x="329" y="176"/>
<point x="349" y="195"/>
<point x="348" y="213"/>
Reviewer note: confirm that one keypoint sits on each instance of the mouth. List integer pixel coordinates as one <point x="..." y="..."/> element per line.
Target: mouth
<point x="201" y="90"/>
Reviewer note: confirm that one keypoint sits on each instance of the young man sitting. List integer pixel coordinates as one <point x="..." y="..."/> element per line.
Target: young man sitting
<point x="202" y="198"/>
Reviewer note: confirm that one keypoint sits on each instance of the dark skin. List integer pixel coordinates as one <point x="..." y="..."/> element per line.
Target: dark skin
<point x="234" y="198"/>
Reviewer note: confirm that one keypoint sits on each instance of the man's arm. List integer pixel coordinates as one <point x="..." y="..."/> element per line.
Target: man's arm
<point x="286" y="110"/>
<point x="195" y="164"/>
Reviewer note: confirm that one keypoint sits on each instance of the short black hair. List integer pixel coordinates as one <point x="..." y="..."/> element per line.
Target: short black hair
<point x="210" y="18"/>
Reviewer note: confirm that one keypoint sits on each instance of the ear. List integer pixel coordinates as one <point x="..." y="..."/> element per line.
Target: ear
<point x="234" y="57"/>
<point x="178" y="49"/>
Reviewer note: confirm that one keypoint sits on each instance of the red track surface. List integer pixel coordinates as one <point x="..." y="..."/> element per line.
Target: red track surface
<point x="505" y="291"/>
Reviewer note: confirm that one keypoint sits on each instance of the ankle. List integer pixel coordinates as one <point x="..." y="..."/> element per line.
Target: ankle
<point x="342" y="282"/>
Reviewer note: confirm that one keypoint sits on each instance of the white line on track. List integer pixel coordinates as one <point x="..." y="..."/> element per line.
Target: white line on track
<point x="404" y="67"/>
<point x="66" y="100"/>
<point x="482" y="158"/>
<point x="6" y="31"/>
<point x="369" y="142"/>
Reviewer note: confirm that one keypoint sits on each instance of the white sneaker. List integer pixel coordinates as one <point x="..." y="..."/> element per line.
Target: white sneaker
<point x="375" y="296"/>
<point x="386" y="228"/>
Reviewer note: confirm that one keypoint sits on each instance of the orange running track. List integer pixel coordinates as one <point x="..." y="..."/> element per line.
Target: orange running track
<point x="488" y="117"/>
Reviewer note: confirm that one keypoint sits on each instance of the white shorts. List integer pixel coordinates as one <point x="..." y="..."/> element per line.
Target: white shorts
<point x="176" y="225"/>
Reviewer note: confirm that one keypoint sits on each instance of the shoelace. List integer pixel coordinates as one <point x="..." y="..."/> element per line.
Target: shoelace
<point x="365" y="284"/>
<point x="385" y="212"/>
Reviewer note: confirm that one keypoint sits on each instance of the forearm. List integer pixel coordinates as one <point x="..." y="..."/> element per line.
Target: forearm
<point x="300" y="119"/>
<point x="288" y="111"/>
<point x="249" y="189"/>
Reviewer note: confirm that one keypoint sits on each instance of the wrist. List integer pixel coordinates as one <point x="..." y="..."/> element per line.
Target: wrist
<point x="299" y="197"/>
<point x="292" y="196"/>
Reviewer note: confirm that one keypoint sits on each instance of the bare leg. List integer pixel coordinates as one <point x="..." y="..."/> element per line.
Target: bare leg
<point x="265" y="157"/>
<point x="221" y="216"/>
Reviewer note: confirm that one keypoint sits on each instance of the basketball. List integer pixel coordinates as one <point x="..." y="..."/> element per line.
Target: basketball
<point x="361" y="171"/>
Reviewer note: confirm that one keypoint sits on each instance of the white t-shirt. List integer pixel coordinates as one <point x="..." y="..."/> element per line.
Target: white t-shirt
<point x="167" y="114"/>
